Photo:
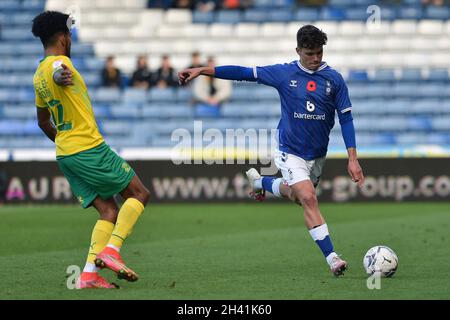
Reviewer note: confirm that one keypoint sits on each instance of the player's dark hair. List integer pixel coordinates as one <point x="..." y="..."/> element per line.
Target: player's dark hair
<point x="311" y="37"/>
<point x="48" y="24"/>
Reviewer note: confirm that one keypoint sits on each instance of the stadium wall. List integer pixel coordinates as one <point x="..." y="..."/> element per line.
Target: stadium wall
<point x="412" y="179"/>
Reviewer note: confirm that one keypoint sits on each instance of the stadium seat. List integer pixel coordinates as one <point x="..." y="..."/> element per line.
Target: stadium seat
<point x="438" y="75"/>
<point x="306" y="14"/>
<point x="410" y="13"/>
<point x="228" y="16"/>
<point x="203" y="17"/>
<point x="437" y="12"/>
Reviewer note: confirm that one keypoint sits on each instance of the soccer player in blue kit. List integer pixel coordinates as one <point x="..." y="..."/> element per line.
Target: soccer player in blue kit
<point x="311" y="92"/>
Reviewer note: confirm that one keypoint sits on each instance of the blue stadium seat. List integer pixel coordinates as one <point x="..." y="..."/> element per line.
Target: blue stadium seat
<point x="256" y="15"/>
<point x="9" y="5"/>
<point x="82" y="49"/>
<point x="280" y="15"/>
<point x="410" y="13"/>
<point x="384" y="75"/>
<point x="167" y="110"/>
<point x="283" y="3"/>
<point x="165" y="95"/>
<point x="134" y="95"/>
<point x="203" y="17"/>
<point x="306" y="14"/>
<point x="441" y="123"/>
<point x="359" y="13"/>
<point x="92" y="79"/>
<point x="232" y="17"/>
<point x="438" y="75"/>
<point x="16" y="34"/>
<point x="105" y="95"/>
<point x="34" y="48"/>
<point x="36" y="5"/>
<point x="23" y="18"/>
<point x="437" y="12"/>
<point x="411" y="75"/>
<point x="265" y="93"/>
<point x="422" y="123"/>
<point x="101" y="110"/>
<point x="13" y="112"/>
<point x="94" y="64"/>
<point x="125" y="111"/>
<point x="341" y="3"/>
<point x="388" y="13"/>
<point x="262" y="3"/>
<point x="184" y="94"/>
<point x="31" y="128"/>
<point x="357" y="76"/>
<point x="426" y="106"/>
<point x="404" y="89"/>
<point x="330" y="13"/>
<point x="120" y="128"/>
<point x="431" y="90"/>
<point x="203" y="110"/>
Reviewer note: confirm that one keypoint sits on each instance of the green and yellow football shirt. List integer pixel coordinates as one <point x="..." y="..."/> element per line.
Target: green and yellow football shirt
<point x="69" y="106"/>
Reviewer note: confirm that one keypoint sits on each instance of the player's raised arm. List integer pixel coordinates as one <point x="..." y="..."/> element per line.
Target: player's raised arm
<point x="222" y="72"/>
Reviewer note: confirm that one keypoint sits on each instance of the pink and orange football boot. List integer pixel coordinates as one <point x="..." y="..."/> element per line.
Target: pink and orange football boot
<point x="111" y="259"/>
<point x="92" y="280"/>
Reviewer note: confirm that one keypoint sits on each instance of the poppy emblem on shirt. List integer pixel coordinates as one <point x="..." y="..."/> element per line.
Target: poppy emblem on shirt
<point x="311" y="86"/>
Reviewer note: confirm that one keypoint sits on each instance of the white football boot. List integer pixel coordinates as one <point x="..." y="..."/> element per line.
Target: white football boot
<point x="338" y="266"/>
<point x="259" y="194"/>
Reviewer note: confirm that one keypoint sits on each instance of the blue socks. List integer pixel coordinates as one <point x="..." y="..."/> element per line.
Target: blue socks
<point x="321" y="236"/>
<point x="272" y="184"/>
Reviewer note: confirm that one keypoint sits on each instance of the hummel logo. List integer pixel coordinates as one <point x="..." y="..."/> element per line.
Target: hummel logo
<point x="293" y="83"/>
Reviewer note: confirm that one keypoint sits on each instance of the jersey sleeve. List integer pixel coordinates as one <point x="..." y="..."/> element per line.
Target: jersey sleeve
<point x="269" y="75"/>
<point x="341" y="97"/>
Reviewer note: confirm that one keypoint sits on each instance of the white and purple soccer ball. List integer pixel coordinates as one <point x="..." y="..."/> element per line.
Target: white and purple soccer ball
<point x="380" y="260"/>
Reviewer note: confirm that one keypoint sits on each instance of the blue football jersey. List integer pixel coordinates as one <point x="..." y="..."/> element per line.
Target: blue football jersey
<point x="309" y="101"/>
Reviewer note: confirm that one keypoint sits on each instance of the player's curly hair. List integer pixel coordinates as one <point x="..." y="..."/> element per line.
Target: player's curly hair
<point x="311" y="37"/>
<point x="48" y="24"/>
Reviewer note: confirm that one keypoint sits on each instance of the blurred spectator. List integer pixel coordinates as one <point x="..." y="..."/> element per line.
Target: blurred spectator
<point x="315" y="3"/>
<point x="111" y="76"/>
<point x="207" y="5"/>
<point x="184" y="4"/>
<point x="195" y="60"/>
<point x="163" y="4"/>
<point x="433" y="2"/>
<point x="165" y="76"/>
<point x="211" y="91"/>
<point x="142" y="76"/>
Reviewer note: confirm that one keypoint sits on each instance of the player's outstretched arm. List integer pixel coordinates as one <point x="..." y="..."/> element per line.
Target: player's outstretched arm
<point x="43" y="117"/>
<point x="354" y="169"/>
<point x="63" y="76"/>
<point x="222" y="72"/>
<point x="190" y="74"/>
<point x="348" y="133"/>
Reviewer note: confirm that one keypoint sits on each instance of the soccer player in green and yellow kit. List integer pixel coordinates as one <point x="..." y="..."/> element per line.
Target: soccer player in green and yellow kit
<point x="94" y="171"/>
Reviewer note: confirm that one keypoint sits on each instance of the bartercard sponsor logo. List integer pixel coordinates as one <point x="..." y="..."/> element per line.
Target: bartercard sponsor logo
<point x="308" y="116"/>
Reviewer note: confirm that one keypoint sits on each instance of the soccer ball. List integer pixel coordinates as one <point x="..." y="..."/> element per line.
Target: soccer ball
<point x="380" y="260"/>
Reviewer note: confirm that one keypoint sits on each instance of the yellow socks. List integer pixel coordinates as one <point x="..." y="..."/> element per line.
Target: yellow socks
<point x="100" y="236"/>
<point x="128" y="215"/>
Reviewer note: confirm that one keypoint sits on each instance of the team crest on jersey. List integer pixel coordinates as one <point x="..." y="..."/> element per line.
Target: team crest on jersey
<point x="328" y="88"/>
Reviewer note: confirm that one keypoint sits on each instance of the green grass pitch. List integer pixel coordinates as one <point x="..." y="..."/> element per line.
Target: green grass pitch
<point x="230" y="251"/>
